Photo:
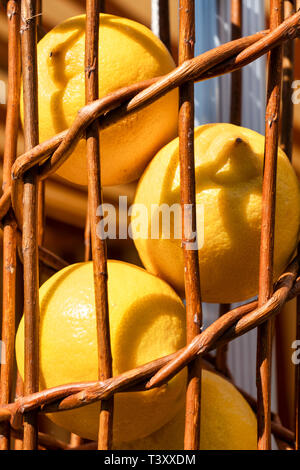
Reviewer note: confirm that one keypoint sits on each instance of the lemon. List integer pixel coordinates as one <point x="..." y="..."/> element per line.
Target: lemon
<point x="128" y="53"/>
<point x="147" y="321"/>
<point x="229" y="169"/>
<point x="227" y="422"/>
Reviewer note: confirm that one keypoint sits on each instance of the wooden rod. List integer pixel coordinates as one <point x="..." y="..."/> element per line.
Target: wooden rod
<point x="30" y="211"/>
<point x="188" y="204"/>
<point x="98" y="244"/>
<point x="160" y="22"/>
<point x="9" y="223"/>
<point x="265" y="331"/>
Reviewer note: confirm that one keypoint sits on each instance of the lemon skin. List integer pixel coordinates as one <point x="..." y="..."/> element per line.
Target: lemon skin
<point x="128" y="53"/>
<point x="147" y="321"/>
<point x="229" y="169"/>
<point x="227" y="422"/>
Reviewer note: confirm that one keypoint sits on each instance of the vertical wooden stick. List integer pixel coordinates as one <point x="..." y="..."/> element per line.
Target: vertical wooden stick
<point x="188" y="204"/>
<point x="98" y="244"/>
<point x="9" y="224"/>
<point x="160" y="23"/>
<point x="30" y="211"/>
<point x="265" y="331"/>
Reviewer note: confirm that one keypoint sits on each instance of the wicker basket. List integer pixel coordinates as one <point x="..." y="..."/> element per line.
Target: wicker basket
<point x="21" y="213"/>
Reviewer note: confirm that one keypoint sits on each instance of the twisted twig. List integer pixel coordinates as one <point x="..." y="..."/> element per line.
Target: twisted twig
<point x="223" y="59"/>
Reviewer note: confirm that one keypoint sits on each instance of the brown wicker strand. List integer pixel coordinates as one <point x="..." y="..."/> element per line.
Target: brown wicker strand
<point x="188" y="207"/>
<point x="10" y="227"/>
<point x="98" y="244"/>
<point x="30" y="208"/>
<point x="265" y="331"/>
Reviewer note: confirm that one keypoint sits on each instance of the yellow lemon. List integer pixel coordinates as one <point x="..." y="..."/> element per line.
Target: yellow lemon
<point x="227" y="422"/>
<point x="128" y="53"/>
<point x="147" y="321"/>
<point x="229" y="169"/>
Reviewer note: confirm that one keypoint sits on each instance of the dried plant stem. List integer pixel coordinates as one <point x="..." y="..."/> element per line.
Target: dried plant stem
<point x="265" y="331"/>
<point x="98" y="244"/>
<point x="9" y="224"/>
<point x="30" y="210"/>
<point x="188" y="206"/>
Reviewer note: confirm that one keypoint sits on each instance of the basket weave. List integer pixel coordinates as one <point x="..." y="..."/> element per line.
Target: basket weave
<point x="21" y="214"/>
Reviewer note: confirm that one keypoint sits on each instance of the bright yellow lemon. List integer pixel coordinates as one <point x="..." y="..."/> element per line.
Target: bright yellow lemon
<point x="147" y="321"/>
<point x="128" y="53"/>
<point x="229" y="168"/>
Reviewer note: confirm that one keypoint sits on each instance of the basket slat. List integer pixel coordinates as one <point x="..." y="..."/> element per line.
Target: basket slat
<point x="98" y="244"/>
<point x="265" y="331"/>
